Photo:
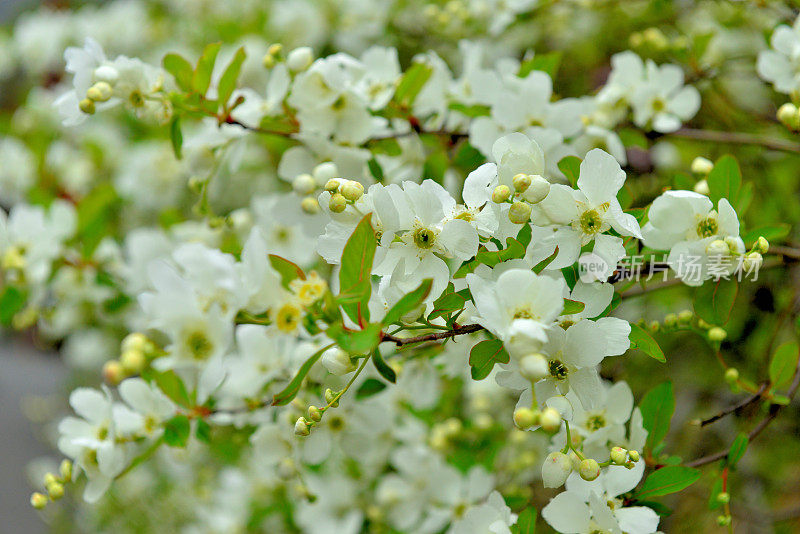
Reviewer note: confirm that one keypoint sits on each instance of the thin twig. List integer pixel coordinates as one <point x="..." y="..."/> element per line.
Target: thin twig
<point x="755" y="397"/>
<point x="457" y="331"/>
<point x="738" y="138"/>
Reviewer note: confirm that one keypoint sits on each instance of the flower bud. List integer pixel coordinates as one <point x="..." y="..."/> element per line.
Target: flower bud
<point x="113" y="373"/>
<point x="752" y="262"/>
<point x="337" y="203"/>
<point x="534" y="367"/>
<point x="133" y="361"/>
<point x="520" y="212"/>
<point x="87" y="106"/>
<point x="723" y="497"/>
<point x="633" y="455"/>
<point x="685" y="316"/>
<point x="332" y="185"/>
<point x="630" y="464"/>
<point x="550" y="420"/>
<point x="299" y="59"/>
<point x="38" y="500"/>
<point x="310" y="205"/>
<point x="589" y="469"/>
<point x="55" y="490"/>
<point x="352" y="190"/>
<point x="573" y="458"/>
<point x="718" y="247"/>
<point x="330" y="395"/>
<point x="49" y="478"/>
<point x="789" y="116"/>
<point x="301" y="427"/>
<point x="524" y="418"/>
<point x="337" y="362"/>
<point x="555" y="469"/>
<point x="731" y="375"/>
<point x="670" y="320"/>
<point x="723" y="520"/>
<point x="702" y="187"/>
<point x="275" y="49"/>
<point x="325" y="171"/>
<point x="304" y="184"/>
<point x="65" y="469"/>
<point x="538" y="190"/>
<point x="702" y="165"/>
<point x="619" y="455"/>
<point x="762" y="245"/>
<point x="106" y="73"/>
<point x="522" y="182"/>
<point x="314" y="414"/>
<point x="500" y="194"/>
<point x="268" y="61"/>
<point x="717" y="334"/>
<point x="100" y="92"/>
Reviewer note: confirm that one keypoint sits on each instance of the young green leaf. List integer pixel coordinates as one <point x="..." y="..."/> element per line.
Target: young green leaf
<point x="176" y="431"/>
<point x="713" y="301"/>
<point x="201" y="78"/>
<point x="570" y="166"/>
<point x="725" y="180"/>
<point x="356" y="341"/>
<point x="287" y="394"/>
<point x="411" y="83"/>
<point x="355" y="272"/>
<point x="548" y="63"/>
<point x="642" y="340"/>
<point x="408" y="303"/>
<point x="738" y="448"/>
<point x="181" y="70"/>
<point x="484" y="355"/>
<point x="526" y="522"/>
<point x="383" y="367"/>
<point x="783" y="364"/>
<point x="12" y="301"/>
<point x="370" y="387"/>
<point x="657" y="407"/>
<point x="572" y="306"/>
<point x="288" y="270"/>
<point x="227" y="83"/>
<point x="176" y="137"/>
<point x="172" y="386"/>
<point x="666" y="480"/>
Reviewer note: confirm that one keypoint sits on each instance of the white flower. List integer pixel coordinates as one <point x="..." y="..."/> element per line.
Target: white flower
<point x="702" y="242"/>
<point x="579" y="216"/>
<point x="148" y="401"/>
<point x="781" y="65"/>
<point x="518" y="307"/>
<point x="663" y="102"/>
<point x="494" y="516"/>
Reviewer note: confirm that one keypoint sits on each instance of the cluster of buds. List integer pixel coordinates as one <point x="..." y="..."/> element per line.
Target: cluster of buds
<point x="343" y="192"/>
<point x="624" y="457"/>
<point x="445" y="433"/>
<point x="528" y="189"/>
<point x="102" y="90"/>
<point x="454" y="10"/>
<point x="306" y="184"/>
<point x="548" y="419"/>
<point x="54" y="486"/>
<point x="671" y="322"/>
<point x="560" y="464"/>
<point x="304" y="424"/>
<point x="136" y="352"/>
<point x="701" y="167"/>
<point x="297" y="60"/>
<point x="653" y="38"/>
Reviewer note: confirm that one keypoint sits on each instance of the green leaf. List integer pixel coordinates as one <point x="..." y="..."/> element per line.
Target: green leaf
<point x="176" y="431"/>
<point x="203" y="431"/>
<point x="642" y="340"/>
<point x="571" y="167"/>
<point x="181" y="70"/>
<point x="725" y="180"/>
<point x="738" y="448"/>
<point x="526" y="522"/>
<point x="286" y="269"/>
<point x="408" y="303"/>
<point x="783" y="364"/>
<point x="288" y="393"/>
<point x="447" y="304"/>
<point x="539" y="267"/>
<point x="172" y="386"/>
<point x="96" y="214"/>
<point x="716" y="489"/>
<point x="356" y="341"/>
<point x="776" y="232"/>
<point x="176" y="137"/>
<point x="370" y="387"/>
<point x="355" y="272"/>
<point x="713" y="301"/>
<point x="572" y="306"/>
<point x="383" y="367"/>
<point x="668" y="480"/>
<point x="227" y="83"/>
<point x="475" y="110"/>
<point x="411" y="84"/>
<point x="12" y="301"/>
<point x="657" y="407"/>
<point x="484" y="355"/>
<point x="631" y="137"/>
<point x="548" y="63"/>
<point x="201" y="78"/>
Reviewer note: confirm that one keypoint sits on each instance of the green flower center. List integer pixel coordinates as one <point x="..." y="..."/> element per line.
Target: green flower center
<point x="558" y="369"/>
<point x="591" y="222"/>
<point x="596" y="421"/>
<point x="707" y="227"/>
<point x="199" y="345"/>
<point x="424" y="238"/>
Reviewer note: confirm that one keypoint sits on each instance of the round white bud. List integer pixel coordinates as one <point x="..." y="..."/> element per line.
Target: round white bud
<point x="752" y="262"/>
<point x="352" y="190"/>
<point x="556" y="469"/>
<point x="65" y="469"/>
<point x="789" y="116"/>
<point x="501" y="193"/>
<point x="633" y="455"/>
<point x="113" y="373"/>
<point x="337" y="203"/>
<point x="309" y="205"/>
<point x="337" y="362"/>
<point x="538" y="190"/>
<point x="762" y="245"/>
<point x="718" y="247"/>
<point x="619" y="455"/>
<point x="520" y="212"/>
<point x="589" y="469"/>
<point x="534" y="367"/>
<point x="702" y="165"/>
<point x="550" y="420"/>
<point x="332" y="185"/>
<point x="702" y="187"/>
<point x="38" y="500"/>
<point x="524" y="418"/>
<point x="522" y="182"/>
<point x="300" y="59"/>
<point x="100" y="92"/>
<point x="304" y="184"/>
<point x="731" y="375"/>
<point x="133" y="361"/>
<point x="106" y="73"/>
<point x="87" y="106"/>
<point x="717" y="334"/>
<point x="301" y="427"/>
<point x="325" y="171"/>
<point x="314" y="413"/>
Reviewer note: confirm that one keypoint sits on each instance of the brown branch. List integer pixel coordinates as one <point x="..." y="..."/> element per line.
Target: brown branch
<point x="755" y="397"/>
<point x="457" y="331"/>
<point x="737" y="138"/>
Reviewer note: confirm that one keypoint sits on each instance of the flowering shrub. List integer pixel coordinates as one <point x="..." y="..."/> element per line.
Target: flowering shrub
<point x="351" y="266"/>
